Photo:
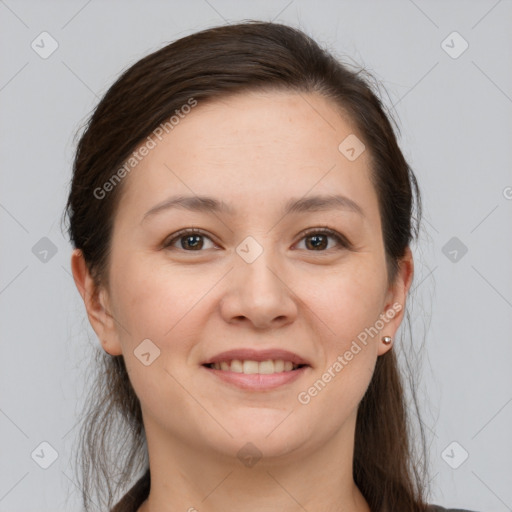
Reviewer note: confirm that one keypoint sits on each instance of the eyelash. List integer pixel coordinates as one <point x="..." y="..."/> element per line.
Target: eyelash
<point x="340" y="239"/>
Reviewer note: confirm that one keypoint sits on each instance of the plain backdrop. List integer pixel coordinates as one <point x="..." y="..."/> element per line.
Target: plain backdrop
<point x="446" y="70"/>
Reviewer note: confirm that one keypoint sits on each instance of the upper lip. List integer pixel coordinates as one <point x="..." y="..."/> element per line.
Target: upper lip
<point x="246" y="354"/>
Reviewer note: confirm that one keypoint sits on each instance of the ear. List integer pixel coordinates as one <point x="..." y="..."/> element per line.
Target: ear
<point x="96" y="305"/>
<point x="394" y="308"/>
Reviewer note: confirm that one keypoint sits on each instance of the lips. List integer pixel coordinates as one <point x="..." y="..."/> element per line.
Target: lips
<point x="257" y="370"/>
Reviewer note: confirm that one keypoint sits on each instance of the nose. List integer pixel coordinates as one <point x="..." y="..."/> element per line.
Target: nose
<point x="259" y="293"/>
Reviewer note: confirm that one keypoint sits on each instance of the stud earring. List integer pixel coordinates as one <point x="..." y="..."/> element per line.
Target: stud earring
<point x="387" y="339"/>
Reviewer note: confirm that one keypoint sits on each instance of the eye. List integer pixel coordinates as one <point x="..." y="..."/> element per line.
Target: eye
<point x="189" y="240"/>
<point x="317" y="239"/>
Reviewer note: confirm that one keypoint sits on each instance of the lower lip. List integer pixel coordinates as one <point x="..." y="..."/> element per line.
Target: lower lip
<point x="258" y="381"/>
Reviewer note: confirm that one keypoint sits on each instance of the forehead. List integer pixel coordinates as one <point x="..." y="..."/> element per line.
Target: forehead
<point x="285" y="126"/>
<point x="253" y="147"/>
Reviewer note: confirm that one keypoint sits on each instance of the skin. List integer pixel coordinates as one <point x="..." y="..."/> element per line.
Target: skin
<point x="254" y="151"/>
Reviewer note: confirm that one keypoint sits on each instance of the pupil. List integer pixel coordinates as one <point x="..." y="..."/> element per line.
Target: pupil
<point x="318" y="241"/>
<point x="193" y="244"/>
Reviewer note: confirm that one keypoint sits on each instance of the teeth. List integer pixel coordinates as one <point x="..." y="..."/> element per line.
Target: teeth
<point x="236" y="366"/>
<point x="265" y="367"/>
<point x="279" y="366"/>
<point x="250" y="367"/>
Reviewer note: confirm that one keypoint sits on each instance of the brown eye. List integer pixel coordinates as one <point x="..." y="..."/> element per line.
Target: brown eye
<point x="318" y="240"/>
<point x="188" y="240"/>
<point x="192" y="242"/>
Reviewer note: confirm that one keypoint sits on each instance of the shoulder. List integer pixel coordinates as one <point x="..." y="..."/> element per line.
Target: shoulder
<point x="437" y="508"/>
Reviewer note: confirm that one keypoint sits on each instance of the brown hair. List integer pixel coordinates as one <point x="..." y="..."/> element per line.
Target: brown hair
<point x="207" y="65"/>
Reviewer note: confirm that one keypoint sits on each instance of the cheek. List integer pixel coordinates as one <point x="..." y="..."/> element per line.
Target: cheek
<point x="164" y="307"/>
<point x="348" y="301"/>
<point x="153" y="301"/>
<point x="349" y="305"/>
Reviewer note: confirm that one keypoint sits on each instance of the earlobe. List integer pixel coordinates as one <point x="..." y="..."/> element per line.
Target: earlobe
<point x="385" y="344"/>
<point x="96" y="304"/>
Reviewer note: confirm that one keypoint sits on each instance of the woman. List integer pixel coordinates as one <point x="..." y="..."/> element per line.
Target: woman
<point x="241" y="215"/>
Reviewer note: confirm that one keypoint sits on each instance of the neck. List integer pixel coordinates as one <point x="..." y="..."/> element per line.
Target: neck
<point x="196" y="478"/>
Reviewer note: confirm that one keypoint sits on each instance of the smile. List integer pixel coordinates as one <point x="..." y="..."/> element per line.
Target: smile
<point x="256" y="375"/>
<point x="248" y="367"/>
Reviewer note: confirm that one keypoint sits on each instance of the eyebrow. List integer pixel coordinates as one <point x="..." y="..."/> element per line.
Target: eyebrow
<point x="212" y="205"/>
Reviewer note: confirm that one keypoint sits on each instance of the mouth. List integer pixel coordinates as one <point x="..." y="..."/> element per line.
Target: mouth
<point x="251" y="367"/>
<point x="252" y="370"/>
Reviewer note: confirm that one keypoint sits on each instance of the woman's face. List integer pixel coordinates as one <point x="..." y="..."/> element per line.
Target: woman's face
<point x="259" y="275"/>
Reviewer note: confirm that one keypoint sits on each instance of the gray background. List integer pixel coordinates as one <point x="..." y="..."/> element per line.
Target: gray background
<point x="456" y="123"/>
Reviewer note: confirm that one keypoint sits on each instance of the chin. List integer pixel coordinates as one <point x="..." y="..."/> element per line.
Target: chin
<point x="267" y="431"/>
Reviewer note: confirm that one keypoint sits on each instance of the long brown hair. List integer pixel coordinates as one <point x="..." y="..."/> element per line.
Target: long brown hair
<point x="208" y="65"/>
